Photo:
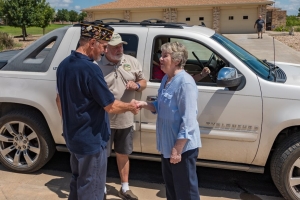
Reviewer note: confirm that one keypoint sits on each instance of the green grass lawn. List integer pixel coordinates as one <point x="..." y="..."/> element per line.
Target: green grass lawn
<point x="30" y="31"/>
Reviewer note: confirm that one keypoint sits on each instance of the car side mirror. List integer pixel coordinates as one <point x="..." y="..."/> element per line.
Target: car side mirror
<point x="228" y="77"/>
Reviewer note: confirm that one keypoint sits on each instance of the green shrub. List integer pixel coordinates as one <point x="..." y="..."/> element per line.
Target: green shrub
<point x="292" y="20"/>
<point x="6" y="41"/>
<point x="297" y="29"/>
<point x="282" y="28"/>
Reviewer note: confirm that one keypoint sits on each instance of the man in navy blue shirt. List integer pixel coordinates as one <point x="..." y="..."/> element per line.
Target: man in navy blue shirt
<point x="260" y="24"/>
<point x="85" y="101"/>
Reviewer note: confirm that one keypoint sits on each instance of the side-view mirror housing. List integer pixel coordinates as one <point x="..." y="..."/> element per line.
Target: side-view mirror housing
<point x="228" y="77"/>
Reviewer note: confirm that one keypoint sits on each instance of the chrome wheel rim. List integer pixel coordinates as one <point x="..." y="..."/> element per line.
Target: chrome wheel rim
<point x="294" y="178"/>
<point x="19" y="145"/>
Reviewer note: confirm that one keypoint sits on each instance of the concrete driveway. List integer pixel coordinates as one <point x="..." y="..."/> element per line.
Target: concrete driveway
<point x="264" y="48"/>
<point x="54" y="185"/>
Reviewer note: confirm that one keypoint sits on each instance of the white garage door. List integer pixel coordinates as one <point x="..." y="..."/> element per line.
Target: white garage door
<point x="239" y="20"/>
<point x="195" y="17"/>
<point x="140" y="16"/>
<point x="118" y="15"/>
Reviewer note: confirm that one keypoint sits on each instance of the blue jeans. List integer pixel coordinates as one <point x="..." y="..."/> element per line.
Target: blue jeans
<point x="181" y="178"/>
<point x="88" y="176"/>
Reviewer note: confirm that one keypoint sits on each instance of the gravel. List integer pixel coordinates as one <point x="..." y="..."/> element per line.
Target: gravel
<point x="292" y="41"/>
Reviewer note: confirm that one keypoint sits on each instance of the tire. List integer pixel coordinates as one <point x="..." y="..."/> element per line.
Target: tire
<point x="26" y="143"/>
<point x="285" y="167"/>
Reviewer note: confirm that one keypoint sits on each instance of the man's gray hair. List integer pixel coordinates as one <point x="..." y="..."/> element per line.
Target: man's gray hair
<point x="178" y="52"/>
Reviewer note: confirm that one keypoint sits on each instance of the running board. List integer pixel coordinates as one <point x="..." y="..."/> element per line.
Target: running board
<point x="201" y="163"/>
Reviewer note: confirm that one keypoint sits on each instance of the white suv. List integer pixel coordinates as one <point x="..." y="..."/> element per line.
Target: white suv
<point x="244" y="120"/>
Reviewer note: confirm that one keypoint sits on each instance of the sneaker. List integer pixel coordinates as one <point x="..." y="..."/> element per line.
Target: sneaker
<point x="128" y="195"/>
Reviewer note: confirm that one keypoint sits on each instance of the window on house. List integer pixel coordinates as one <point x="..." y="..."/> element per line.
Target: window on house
<point x="188" y="19"/>
<point x="201" y="18"/>
<point x="230" y="17"/>
<point x="245" y="17"/>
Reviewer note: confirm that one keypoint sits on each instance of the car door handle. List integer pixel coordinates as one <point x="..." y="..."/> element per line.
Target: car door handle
<point x="151" y="98"/>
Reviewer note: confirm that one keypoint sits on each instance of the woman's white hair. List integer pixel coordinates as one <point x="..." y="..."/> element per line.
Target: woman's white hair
<point x="178" y="52"/>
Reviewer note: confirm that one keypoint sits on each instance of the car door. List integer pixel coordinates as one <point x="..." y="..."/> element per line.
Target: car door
<point x="135" y="47"/>
<point x="229" y="120"/>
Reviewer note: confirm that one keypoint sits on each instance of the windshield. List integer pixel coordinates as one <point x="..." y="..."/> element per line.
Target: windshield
<point x="256" y="65"/>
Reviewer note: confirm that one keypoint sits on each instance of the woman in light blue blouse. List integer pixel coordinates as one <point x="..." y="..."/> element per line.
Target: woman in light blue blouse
<point x="177" y="129"/>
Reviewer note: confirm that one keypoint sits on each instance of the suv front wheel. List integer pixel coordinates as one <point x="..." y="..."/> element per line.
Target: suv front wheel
<point x="25" y="141"/>
<point x="285" y="167"/>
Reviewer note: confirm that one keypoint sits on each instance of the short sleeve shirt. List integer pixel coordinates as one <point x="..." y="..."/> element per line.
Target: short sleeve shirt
<point x="84" y="94"/>
<point x="260" y="23"/>
<point x="117" y="76"/>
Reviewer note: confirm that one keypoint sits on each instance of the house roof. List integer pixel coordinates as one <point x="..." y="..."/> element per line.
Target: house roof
<point x="131" y="4"/>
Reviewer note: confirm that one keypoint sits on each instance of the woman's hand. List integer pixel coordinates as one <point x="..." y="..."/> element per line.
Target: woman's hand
<point x="176" y="151"/>
<point x="141" y="104"/>
<point x="175" y="156"/>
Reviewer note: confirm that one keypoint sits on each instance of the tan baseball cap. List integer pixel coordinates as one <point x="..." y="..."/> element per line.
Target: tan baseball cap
<point x="116" y="39"/>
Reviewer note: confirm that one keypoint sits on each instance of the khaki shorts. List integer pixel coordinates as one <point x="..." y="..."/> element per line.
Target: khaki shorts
<point x="122" y="140"/>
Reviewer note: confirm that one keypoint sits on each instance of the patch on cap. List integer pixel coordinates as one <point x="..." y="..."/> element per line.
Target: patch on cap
<point x="96" y="31"/>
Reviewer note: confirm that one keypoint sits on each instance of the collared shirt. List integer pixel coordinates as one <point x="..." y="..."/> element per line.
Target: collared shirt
<point x="176" y="108"/>
<point x="84" y="94"/>
<point x="116" y="77"/>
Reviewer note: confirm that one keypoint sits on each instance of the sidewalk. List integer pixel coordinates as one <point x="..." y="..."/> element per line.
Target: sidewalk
<point x="53" y="185"/>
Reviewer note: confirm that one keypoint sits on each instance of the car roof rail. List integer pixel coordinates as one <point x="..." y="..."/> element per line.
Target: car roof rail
<point x="202" y="24"/>
<point x="117" y="19"/>
<point x="147" y="22"/>
<point x="157" y="20"/>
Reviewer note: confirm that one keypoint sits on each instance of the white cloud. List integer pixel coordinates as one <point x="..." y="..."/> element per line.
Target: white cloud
<point x="60" y="3"/>
<point x="77" y="7"/>
<point x="291" y="6"/>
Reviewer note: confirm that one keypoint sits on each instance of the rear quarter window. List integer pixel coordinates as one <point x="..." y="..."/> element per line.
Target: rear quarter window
<point x="131" y="47"/>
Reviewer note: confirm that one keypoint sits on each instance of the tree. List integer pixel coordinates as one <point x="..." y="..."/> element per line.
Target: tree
<point x="62" y="15"/>
<point x="46" y="14"/>
<point x="1" y="7"/>
<point x="21" y="13"/>
<point x="81" y="16"/>
<point x="73" y="16"/>
<point x="299" y="12"/>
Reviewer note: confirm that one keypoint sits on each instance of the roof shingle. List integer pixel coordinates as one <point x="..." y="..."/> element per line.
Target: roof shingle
<point x="130" y="4"/>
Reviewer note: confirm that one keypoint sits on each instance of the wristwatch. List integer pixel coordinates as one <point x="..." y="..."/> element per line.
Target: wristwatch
<point x="139" y="86"/>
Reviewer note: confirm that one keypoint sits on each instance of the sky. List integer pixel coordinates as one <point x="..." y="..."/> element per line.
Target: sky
<point x="291" y="6"/>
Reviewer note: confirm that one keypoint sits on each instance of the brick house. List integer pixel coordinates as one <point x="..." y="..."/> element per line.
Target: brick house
<point x="275" y="18"/>
<point x="224" y="16"/>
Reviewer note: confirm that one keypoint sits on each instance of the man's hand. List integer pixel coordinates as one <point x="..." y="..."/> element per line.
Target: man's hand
<point x="134" y="105"/>
<point x="175" y="156"/>
<point x="131" y="85"/>
<point x="205" y="71"/>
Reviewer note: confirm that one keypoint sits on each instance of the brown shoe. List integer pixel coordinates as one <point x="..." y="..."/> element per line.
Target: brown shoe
<point x="128" y="195"/>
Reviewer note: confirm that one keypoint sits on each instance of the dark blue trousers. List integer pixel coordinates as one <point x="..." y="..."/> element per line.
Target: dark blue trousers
<point x="181" y="178"/>
<point x="88" y="176"/>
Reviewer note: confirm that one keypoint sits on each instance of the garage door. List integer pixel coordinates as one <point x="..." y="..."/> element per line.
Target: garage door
<point x="195" y="17"/>
<point x="238" y="20"/>
<point x="118" y="15"/>
<point x="140" y="16"/>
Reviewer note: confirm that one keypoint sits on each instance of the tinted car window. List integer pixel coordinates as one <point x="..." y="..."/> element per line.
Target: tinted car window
<point x="132" y="46"/>
<point x="256" y="65"/>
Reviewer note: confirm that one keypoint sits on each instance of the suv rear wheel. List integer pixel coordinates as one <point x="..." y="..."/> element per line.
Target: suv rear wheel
<point x="25" y="141"/>
<point x="285" y="167"/>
